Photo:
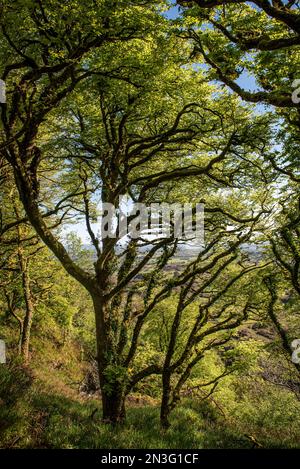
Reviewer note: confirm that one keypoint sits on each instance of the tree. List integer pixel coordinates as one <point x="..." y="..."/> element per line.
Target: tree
<point x="219" y="311"/>
<point x="261" y="39"/>
<point x="285" y="246"/>
<point x="18" y="245"/>
<point x="94" y="115"/>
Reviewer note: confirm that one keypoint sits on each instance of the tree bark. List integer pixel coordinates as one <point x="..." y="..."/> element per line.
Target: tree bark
<point x="112" y="385"/>
<point x="29" y="308"/>
<point x="165" y="401"/>
<point x="113" y="406"/>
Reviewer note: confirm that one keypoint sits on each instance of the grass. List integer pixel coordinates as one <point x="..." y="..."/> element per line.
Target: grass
<point x="41" y="407"/>
<point x="59" y="422"/>
<point x="50" y="420"/>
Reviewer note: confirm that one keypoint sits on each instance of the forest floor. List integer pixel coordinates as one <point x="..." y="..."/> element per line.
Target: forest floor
<point x="54" y="416"/>
<point x="58" y="421"/>
<point x="44" y="407"/>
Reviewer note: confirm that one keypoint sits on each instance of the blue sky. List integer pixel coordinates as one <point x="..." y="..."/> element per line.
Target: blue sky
<point x="172" y="13"/>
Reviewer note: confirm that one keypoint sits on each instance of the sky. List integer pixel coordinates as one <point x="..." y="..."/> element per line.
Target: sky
<point x="172" y="13"/>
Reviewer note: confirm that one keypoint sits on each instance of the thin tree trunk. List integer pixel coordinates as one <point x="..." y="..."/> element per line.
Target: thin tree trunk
<point x="29" y="308"/>
<point x="165" y="401"/>
<point x="167" y="373"/>
<point x="25" y="331"/>
<point x="12" y="311"/>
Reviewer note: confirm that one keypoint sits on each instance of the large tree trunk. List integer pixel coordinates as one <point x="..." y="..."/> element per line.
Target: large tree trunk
<point x="112" y="382"/>
<point x="113" y="406"/>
